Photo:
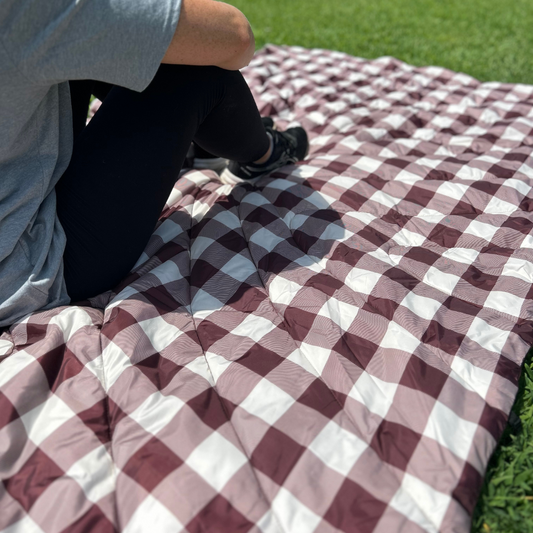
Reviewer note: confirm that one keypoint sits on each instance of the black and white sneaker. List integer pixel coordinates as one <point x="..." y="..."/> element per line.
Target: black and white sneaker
<point x="289" y="146"/>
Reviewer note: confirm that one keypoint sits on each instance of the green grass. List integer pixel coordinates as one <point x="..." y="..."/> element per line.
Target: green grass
<point x="491" y="40"/>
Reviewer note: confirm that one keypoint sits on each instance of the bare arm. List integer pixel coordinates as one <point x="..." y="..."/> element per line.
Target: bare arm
<point x="211" y="33"/>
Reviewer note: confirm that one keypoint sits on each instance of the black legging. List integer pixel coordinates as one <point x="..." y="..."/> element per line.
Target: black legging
<point x="127" y="159"/>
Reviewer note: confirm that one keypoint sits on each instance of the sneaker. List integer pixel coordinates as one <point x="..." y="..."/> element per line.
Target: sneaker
<point x="290" y="146"/>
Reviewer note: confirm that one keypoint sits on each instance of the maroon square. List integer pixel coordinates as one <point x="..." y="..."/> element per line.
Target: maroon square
<point x="304" y="241"/>
<point x="376" y="181"/>
<point x="418" y="375"/>
<point x="508" y="369"/>
<point x="374" y="236"/>
<point x="422" y="255"/>
<point x="381" y="306"/>
<point x="96" y="418"/>
<point x="221" y="517"/>
<point x="348" y="255"/>
<point x="467" y="490"/>
<point x="324" y="283"/>
<point x="233" y="241"/>
<point x="488" y="187"/>
<point x="493" y="420"/>
<point x="287" y="200"/>
<point x="439" y="175"/>
<point x="401" y="277"/>
<point x="201" y="272"/>
<point x="461" y="306"/>
<point x="161" y="299"/>
<point x="35" y="332"/>
<point x="498" y="171"/>
<point x="93" y="520"/>
<point x="35" y="476"/>
<point x="419" y="196"/>
<point x="209" y="333"/>
<point x="276" y="455"/>
<point x="152" y="463"/>
<point x="116" y="414"/>
<point x="59" y="364"/>
<point x="444" y="235"/>
<point x="299" y="322"/>
<point x="158" y="369"/>
<point x="119" y="320"/>
<point x="354" y="510"/>
<point x="260" y="360"/>
<point x="261" y="216"/>
<point x="395" y="218"/>
<point x="521" y="224"/>
<point x="443" y="338"/>
<point x="356" y="349"/>
<point x="208" y="408"/>
<point x="479" y="279"/>
<point x="353" y="199"/>
<point x="321" y="398"/>
<point x="465" y="210"/>
<point x="336" y="166"/>
<point x="274" y="263"/>
<point x="246" y="298"/>
<point x="523" y="328"/>
<point x="395" y="443"/>
<point x="8" y="413"/>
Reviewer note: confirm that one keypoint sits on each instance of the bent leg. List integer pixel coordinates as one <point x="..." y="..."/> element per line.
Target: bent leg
<point x="126" y="161"/>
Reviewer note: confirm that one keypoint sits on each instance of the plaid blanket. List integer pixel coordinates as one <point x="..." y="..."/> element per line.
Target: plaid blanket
<point x="335" y="347"/>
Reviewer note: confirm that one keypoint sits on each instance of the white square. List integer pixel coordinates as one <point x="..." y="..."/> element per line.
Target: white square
<point x="453" y="190"/>
<point x="239" y="268"/>
<point x="519" y="268"/>
<point x="342" y="313"/>
<point x="337" y="448"/>
<point x="344" y="181"/>
<point x="362" y="281"/>
<point x="469" y="173"/>
<point x="421" y="503"/>
<point x="43" y="420"/>
<point x="114" y="362"/>
<point x="254" y="327"/>
<point x="320" y="200"/>
<point x="166" y="272"/>
<point x="365" y="218"/>
<point x="316" y="356"/>
<point x="95" y="473"/>
<point x="199" y="245"/>
<point x="282" y="290"/>
<point x="217" y="365"/>
<point x="487" y="336"/>
<point x="152" y="515"/>
<point x="384" y="199"/>
<point x="254" y="198"/>
<point x="499" y="207"/>
<point x="421" y="306"/>
<point x="375" y="394"/>
<point x="203" y="304"/>
<point x="217" y="460"/>
<point x="405" y="176"/>
<point x="398" y="338"/>
<point x="335" y="233"/>
<point x="168" y="230"/>
<point x="160" y="332"/>
<point x="70" y="320"/>
<point x="156" y="412"/>
<point x="267" y="401"/>
<point x="430" y="215"/>
<point x="472" y="377"/>
<point x="481" y="229"/>
<point x="368" y="164"/>
<point x="266" y="239"/>
<point x="450" y="430"/>
<point x="505" y="302"/>
<point x="441" y="281"/>
<point x="229" y="219"/>
<point x="292" y="514"/>
<point x="408" y="238"/>
<point x="461" y="255"/>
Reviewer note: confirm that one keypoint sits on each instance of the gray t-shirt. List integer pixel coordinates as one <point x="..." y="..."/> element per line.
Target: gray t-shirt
<point x="44" y="43"/>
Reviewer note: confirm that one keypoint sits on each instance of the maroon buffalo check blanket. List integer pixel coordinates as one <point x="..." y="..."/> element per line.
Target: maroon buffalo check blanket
<point x="335" y="347"/>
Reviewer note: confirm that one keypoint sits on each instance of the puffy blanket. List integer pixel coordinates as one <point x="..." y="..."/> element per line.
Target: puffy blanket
<point x="334" y="347"/>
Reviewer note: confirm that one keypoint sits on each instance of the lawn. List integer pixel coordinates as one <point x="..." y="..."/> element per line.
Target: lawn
<point x="489" y="39"/>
